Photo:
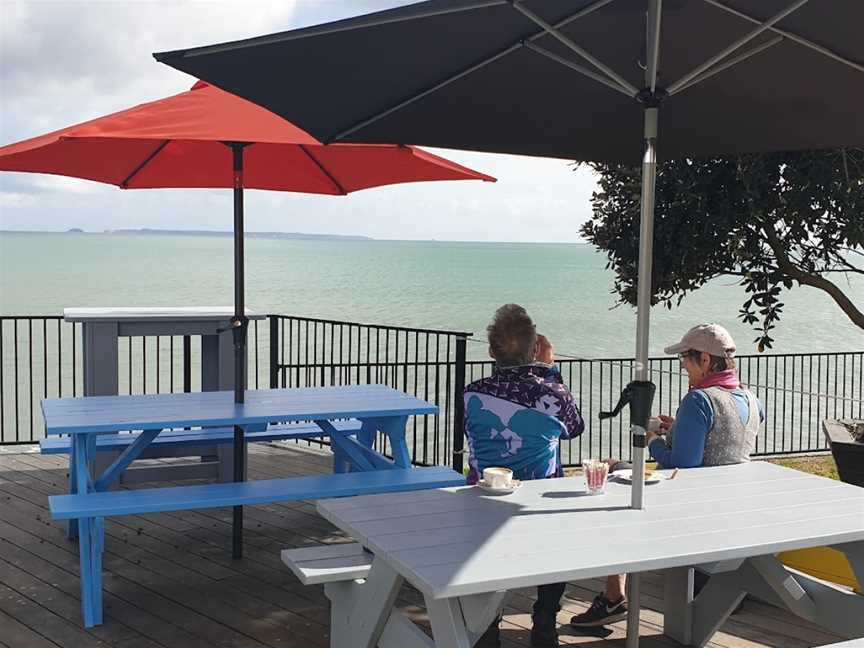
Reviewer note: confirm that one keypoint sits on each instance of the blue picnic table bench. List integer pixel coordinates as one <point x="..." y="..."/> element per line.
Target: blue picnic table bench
<point x="351" y="416"/>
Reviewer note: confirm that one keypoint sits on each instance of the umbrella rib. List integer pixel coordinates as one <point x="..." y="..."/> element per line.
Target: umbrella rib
<point x="147" y="160"/>
<point x="731" y="62"/>
<point x="323" y="170"/>
<point x="425" y="93"/>
<point x="458" y="75"/>
<point x="793" y="37"/>
<point x="699" y="69"/>
<point x="652" y="41"/>
<point x="578" y="68"/>
<point x="553" y="31"/>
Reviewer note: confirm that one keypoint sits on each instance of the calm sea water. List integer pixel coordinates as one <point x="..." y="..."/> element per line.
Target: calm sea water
<point x="442" y="285"/>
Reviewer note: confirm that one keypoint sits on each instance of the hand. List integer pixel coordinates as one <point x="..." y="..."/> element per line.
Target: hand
<point x="666" y="422"/>
<point x="544" y="351"/>
<point x="611" y="462"/>
<point x="651" y="436"/>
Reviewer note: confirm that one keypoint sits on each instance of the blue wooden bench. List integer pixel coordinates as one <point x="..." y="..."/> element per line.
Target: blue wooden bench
<point x="181" y="438"/>
<point x="183" y="443"/>
<point x="91" y="508"/>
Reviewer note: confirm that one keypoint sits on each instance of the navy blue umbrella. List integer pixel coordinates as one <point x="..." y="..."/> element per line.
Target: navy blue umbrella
<point x="577" y="79"/>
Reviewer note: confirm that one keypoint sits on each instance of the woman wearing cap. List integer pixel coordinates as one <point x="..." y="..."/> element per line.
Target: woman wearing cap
<point x="716" y="424"/>
<point x="718" y="420"/>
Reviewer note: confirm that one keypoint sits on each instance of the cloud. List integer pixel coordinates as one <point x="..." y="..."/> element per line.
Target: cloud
<point x="65" y="62"/>
<point x="13" y="200"/>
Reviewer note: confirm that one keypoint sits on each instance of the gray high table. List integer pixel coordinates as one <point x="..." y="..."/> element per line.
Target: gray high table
<point x="463" y="549"/>
<point x="102" y="328"/>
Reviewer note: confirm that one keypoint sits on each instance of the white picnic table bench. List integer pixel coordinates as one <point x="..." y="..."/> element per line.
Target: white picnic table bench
<point x="351" y="416"/>
<point x="463" y="549"/>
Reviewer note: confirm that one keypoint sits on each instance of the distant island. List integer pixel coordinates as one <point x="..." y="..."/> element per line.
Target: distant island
<point x="262" y="235"/>
<point x="75" y="230"/>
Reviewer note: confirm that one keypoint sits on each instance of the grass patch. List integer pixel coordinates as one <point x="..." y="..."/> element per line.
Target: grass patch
<point x="822" y="465"/>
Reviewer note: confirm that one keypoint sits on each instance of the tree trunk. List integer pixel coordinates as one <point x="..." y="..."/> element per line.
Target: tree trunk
<point x="807" y="279"/>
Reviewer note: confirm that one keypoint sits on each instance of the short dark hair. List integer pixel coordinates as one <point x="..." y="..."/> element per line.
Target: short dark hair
<point x="720" y="363"/>
<point x="512" y="336"/>
<point x="717" y="364"/>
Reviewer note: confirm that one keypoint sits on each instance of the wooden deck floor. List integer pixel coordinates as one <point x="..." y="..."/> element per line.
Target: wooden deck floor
<point x="170" y="580"/>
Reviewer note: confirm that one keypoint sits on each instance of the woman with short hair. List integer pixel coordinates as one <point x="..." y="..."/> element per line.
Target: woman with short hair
<point x="515" y="419"/>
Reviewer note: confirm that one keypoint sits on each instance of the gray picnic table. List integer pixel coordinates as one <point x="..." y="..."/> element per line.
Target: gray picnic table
<point x="463" y="549"/>
<point x="102" y="329"/>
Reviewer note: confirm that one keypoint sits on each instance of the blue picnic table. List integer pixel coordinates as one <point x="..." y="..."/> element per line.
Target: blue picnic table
<point x="358" y="467"/>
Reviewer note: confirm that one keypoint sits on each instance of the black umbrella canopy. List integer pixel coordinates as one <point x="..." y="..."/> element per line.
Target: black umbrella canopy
<point x="576" y="79"/>
<point x="487" y="75"/>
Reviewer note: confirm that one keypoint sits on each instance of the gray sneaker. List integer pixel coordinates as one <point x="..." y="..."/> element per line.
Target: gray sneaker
<point x="602" y="612"/>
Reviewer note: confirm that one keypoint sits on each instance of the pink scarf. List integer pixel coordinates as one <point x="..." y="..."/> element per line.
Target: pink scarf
<point x="726" y="379"/>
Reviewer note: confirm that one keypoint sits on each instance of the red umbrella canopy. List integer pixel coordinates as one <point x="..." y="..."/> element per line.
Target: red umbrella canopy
<point x="179" y="142"/>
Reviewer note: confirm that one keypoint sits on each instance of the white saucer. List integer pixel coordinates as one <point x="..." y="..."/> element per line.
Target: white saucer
<point x="626" y="475"/>
<point x="514" y="485"/>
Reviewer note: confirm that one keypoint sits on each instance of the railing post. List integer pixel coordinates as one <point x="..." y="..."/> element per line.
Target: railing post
<point x="187" y="362"/>
<point x="274" y="351"/>
<point x="459" y="405"/>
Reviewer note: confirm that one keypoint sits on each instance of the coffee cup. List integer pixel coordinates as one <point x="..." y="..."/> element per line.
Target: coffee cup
<point x="497" y="477"/>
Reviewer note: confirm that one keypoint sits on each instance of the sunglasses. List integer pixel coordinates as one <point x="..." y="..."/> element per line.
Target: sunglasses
<point x="688" y="354"/>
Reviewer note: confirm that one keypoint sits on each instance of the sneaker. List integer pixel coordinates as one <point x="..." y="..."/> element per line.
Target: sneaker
<point x="544" y="632"/>
<point x="602" y="612"/>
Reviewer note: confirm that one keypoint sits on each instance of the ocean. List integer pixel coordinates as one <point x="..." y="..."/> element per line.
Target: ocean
<point x="443" y="285"/>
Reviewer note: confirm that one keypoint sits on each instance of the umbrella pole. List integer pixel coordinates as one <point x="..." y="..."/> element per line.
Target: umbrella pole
<point x="640" y="405"/>
<point x="239" y="327"/>
<point x="639" y="418"/>
<point x="642" y="389"/>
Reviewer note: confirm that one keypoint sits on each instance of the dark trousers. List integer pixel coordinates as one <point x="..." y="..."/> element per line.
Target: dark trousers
<point x="549" y="598"/>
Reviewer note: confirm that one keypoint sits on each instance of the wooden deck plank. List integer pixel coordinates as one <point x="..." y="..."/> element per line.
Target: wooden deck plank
<point x="160" y="567"/>
<point x="221" y="603"/>
<point x="43" y="621"/>
<point x="55" y="600"/>
<point x="51" y="544"/>
<point x="17" y="634"/>
<point x="62" y="574"/>
<point x="164" y="582"/>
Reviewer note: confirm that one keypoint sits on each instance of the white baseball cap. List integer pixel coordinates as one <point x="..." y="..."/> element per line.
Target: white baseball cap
<point x="708" y="338"/>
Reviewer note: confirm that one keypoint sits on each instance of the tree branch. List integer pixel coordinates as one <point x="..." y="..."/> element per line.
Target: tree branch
<point x="814" y="281"/>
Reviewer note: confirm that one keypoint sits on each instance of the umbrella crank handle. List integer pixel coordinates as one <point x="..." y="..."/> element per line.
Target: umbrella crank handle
<point x="624" y="399"/>
<point x="639" y="395"/>
<point x="641" y="400"/>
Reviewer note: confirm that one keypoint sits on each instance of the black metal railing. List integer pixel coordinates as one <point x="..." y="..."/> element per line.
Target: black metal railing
<point x="426" y="363"/>
<point x="797" y="392"/>
<point x="40" y="357"/>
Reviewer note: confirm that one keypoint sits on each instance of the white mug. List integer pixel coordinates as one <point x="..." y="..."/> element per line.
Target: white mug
<point x="497" y="477"/>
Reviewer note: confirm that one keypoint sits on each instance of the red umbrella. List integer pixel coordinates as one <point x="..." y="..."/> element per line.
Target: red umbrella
<point x="180" y="141"/>
<point x="208" y="138"/>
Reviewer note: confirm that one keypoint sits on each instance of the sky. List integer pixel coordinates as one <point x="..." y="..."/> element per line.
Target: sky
<point x="62" y="63"/>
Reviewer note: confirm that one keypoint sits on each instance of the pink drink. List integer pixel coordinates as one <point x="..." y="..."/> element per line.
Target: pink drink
<point x="595" y="475"/>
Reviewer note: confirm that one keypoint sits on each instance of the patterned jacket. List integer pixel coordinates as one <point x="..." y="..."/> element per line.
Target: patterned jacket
<point x="515" y="419"/>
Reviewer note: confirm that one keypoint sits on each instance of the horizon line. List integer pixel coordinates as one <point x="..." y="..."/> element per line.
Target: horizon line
<point x="342" y="237"/>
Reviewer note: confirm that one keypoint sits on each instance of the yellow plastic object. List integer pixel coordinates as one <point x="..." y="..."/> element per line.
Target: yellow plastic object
<point x="822" y="562"/>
